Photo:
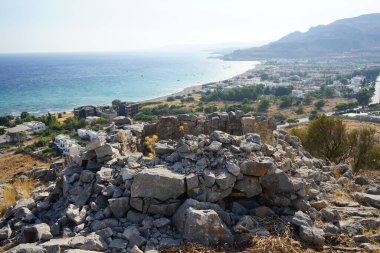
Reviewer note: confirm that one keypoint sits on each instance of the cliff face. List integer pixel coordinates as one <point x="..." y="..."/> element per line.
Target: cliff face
<point x="212" y="188"/>
<point x="359" y="36"/>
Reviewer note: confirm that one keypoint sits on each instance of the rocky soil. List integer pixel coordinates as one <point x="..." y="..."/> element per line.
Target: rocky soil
<point x="210" y="188"/>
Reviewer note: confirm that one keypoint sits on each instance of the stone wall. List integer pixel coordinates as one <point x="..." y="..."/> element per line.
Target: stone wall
<point x="235" y="123"/>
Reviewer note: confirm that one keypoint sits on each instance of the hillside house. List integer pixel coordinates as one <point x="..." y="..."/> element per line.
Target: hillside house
<point x="16" y="134"/>
<point x="35" y="126"/>
<point x="85" y="111"/>
<point x="129" y="109"/>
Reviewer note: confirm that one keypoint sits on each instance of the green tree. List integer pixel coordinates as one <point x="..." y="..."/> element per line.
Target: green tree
<point x="286" y="101"/>
<point x="263" y="105"/>
<point x="364" y="95"/>
<point x="319" y="104"/>
<point x="326" y="138"/>
<point x="2" y="130"/>
<point x="300" y="109"/>
<point x="362" y="149"/>
<point x="116" y="103"/>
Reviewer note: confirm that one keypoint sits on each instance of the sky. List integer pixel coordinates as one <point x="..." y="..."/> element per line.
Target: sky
<point x="130" y="25"/>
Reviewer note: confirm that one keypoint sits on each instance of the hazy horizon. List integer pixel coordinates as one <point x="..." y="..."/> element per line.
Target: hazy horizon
<point x="45" y="26"/>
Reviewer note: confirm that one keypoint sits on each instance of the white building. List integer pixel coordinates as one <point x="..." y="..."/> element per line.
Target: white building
<point x="357" y="80"/>
<point x="35" y="126"/>
<point x="297" y="93"/>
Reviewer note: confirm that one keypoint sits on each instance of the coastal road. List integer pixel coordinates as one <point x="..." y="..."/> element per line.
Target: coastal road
<point x="301" y="120"/>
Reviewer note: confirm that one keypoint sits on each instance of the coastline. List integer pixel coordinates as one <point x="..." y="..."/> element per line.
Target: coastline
<point x="183" y="92"/>
<point x="194" y="88"/>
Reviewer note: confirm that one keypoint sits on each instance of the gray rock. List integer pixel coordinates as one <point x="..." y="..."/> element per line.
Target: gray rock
<point x="191" y="181"/>
<point x="360" y="238"/>
<point x="257" y="168"/>
<point x="233" y="168"/>
<point x="373" y="189"/>
<point x="136" y="249"/>
<point x="246" y="224"/>
<point x="5" y="232"/>
<point x="96" y="143"/>
<point x="163" y="147"/>
<point x="331" y="229"/>
<point x="135" y="217"/>
<point x="27" y="248"/>
<point x="118" y="244"/>
<point x="75" y="215"/>
<point x="86" y="176"/>
<point x="161" y="222"/>
<point x="104" y="174"/>
<point x="90" y="242"/>
<point x="369" y="199"/>
<point x="221" y="137"/>
<point x="238" y="209"/>
<point x="225" y="180"/>
<point x="360" y="180"/>
<point x="253" y="137"/>
<point x="119" y="206"/>
<point x="250" y="186"/>
<point x="280" y="180"/>
<point x="370" y="247"/>
<point x="163" y="184"/>
<point x="122" y="120"/>
<point x="215" y="146"/>
<point x="330" y="215"/>
<point x="133" y="236"/>
<point x="179" y="217"/>
<point x="208" y="177"/>
<point x="205" y="227"/>
<point x="249" y="146"/>
<point x="312" y="235"/>
<point x="106" y="152"/>
<point x="37" y="232"/>
<point x="301" y="219"/>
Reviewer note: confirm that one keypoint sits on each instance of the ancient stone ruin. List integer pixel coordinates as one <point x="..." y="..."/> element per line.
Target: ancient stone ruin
<point x="212" y="181"/>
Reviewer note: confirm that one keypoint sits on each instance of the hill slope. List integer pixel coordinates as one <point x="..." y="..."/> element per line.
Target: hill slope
<point x="345" y="37"/>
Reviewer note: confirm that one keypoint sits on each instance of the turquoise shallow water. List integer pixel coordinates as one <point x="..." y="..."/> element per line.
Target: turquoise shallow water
<point x="41" y="83"/>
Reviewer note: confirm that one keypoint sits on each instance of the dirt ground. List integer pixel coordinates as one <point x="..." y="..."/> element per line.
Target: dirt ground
<point x="11" y="165"/>
<point x="64" y="116"/>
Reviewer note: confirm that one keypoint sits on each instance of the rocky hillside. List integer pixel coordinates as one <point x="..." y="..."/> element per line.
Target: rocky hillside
<point x="213" y="188"/>
<point x="359" y="36"/>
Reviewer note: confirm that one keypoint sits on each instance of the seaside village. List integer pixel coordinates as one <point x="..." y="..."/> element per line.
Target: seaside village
<point x="231" y="180"/>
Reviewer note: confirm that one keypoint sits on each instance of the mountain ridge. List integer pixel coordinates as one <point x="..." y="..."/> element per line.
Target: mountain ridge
<point x="346" y="37"/>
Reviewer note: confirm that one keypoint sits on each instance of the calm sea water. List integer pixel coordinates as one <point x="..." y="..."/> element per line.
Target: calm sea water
<point x="41" y="83"/>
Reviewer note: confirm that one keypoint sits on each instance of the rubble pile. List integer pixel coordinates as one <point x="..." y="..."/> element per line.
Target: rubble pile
<point x="211" y="189"/>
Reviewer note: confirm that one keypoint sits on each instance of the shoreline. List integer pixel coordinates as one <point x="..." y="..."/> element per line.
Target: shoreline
<point x="194" y="88"/>
<point x="183" y="92"/>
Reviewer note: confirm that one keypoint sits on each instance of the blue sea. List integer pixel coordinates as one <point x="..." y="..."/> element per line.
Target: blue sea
<point x="41" y="83"/>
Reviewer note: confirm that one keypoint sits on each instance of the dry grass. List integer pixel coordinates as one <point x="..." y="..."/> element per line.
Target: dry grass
<point x="342" y="196"/>
<point x="19" y="189"/>
<point x="11" y="165"/>
<point x="65" y="116"/>
<point x="336" y="172"/>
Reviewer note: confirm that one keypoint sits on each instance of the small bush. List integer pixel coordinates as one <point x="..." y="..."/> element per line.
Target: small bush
<point x="170" y="99"/>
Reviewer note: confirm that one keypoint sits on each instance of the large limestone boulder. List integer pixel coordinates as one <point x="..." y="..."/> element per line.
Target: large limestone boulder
<point x="205" y="227"/>
<point x="159" y="183"/>
<point x="369" y="199"/>
<point x="106" y="152"/>
<point x="96" y="143"/>
<point x="37" y="232"/>
<point x="258" y="167"/>
<point x="279" y="182"/>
